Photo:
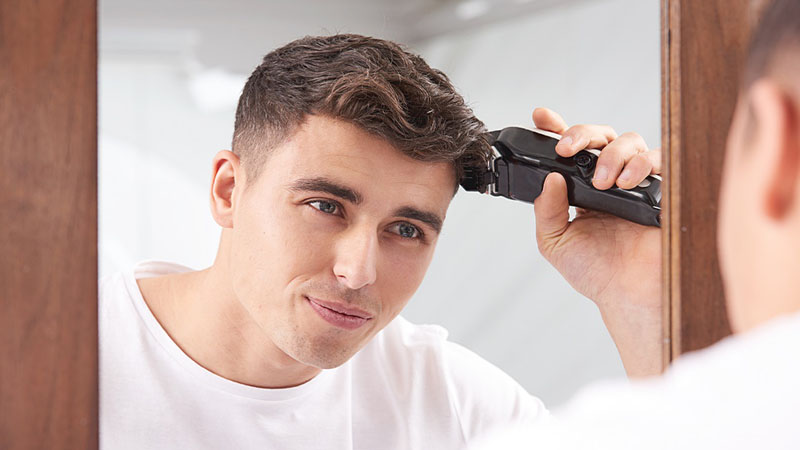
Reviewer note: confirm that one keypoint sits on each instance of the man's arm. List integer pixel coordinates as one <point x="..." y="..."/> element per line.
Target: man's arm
<point x="615" y="263"/>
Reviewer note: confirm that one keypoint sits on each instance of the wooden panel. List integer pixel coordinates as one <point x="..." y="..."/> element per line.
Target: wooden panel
<point x="48" y="218"/>
<point x="704" y="48"/>
<point x="667" y="172"/>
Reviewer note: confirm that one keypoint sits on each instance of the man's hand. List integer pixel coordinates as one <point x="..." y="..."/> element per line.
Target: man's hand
<point x="614" y="262"/>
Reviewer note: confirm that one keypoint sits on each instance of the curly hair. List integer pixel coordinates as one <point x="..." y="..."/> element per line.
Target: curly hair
<point x="375" y="84"/>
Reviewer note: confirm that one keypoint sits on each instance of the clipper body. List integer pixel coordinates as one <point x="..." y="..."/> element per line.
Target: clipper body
<point x="523" y="159"/>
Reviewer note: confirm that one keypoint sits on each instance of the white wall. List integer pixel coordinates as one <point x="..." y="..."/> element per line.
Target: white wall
<point x="163" y="116"/>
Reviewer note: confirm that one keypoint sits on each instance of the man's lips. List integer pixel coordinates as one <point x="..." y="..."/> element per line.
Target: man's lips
<point x="349" y="320"/>
<point x="341" y="308"/>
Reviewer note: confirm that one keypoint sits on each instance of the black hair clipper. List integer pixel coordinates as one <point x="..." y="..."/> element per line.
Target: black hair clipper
<point x="521" y="159"/>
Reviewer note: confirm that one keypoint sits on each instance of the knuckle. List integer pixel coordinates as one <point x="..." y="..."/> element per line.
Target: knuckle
<point x="610" y="131"/>
<point x="653" y="155"/>
<point x="611" y="156"/>
<point x="654" y="158"/>
<point x="641" y="160"/>
<point x="578" y="129"/>
<point x="631" y="135"/>
<point x="623" y="149"/>
<point x="636" y="139"/>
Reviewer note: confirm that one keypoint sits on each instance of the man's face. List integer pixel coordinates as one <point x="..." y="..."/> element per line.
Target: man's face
<point x="332" y="239"/>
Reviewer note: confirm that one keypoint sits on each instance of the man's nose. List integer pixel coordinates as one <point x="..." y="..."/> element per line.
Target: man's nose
<point x="357" y="259"/>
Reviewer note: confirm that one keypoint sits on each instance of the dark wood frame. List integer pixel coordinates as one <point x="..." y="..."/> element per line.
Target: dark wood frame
<point x="48" y="218"/>
<point x="704" y="45"/>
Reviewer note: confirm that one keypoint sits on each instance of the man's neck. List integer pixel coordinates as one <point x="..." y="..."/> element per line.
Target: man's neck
<point x="200" y="312"/>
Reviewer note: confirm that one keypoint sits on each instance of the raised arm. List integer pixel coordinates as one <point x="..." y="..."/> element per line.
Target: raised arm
<point x="615" y="263"/>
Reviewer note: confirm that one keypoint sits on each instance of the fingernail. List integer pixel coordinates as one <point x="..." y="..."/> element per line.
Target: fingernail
<point x="626" y="175"/>
<point x="601" y="174"/>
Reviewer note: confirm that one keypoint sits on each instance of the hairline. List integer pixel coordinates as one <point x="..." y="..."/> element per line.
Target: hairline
<point x="266" y="148"/>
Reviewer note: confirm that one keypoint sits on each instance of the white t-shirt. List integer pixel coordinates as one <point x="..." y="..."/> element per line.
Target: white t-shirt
<point x="741" y="393"/>
<point x="408" y="388"/>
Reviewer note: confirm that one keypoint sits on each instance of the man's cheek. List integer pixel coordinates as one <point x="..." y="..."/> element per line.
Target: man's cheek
<point x="409" y="265"/>
<point x="403" y="276"/>
<point x="303" y="244"/>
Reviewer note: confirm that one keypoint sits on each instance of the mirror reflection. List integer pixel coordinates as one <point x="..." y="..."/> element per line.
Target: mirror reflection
<point x="170" y="76"/>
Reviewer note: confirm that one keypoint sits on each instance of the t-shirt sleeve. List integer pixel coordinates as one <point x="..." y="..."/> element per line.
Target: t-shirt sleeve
<point x="486" y="398"/>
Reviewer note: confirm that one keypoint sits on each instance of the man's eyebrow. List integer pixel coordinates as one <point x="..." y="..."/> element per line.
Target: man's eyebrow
<point x="432" y="219"/>
<point x="321" y="184"/>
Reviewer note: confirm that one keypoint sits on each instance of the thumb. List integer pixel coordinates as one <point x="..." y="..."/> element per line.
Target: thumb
<point x="551" y="209"/>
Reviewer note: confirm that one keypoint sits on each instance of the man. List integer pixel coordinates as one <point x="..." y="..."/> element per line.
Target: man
<point x="346" y="153"/>
<point x="743" y="392"/>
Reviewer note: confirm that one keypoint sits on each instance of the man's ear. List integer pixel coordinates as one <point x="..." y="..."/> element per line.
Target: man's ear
<point x="776" y="145"/>
<point x="227" y="180"/>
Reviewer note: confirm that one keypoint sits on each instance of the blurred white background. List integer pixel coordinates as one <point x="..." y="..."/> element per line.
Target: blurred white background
<point x="171" y="73"/>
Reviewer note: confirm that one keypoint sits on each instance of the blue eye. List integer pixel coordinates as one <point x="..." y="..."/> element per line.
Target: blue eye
<point x="325" y="206"/>
<point x="407" y="231"/>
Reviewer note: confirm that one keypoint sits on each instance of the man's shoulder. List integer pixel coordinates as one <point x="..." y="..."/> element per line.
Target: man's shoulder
<point x="427" y="347"/>
<point x="110" y="287"/>
<point x="414" y="358"/>
<point x="406" y="346"/>
<point x="123" y="284"/>
<point x="421" y="346"/>
<point x="402" y="333"/>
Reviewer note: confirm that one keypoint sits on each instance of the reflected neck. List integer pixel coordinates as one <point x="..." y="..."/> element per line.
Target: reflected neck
<point x="202" y="315"/>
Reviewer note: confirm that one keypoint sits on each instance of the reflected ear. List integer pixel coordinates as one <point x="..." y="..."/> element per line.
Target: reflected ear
<point x="775" y="143"/>
<point x="226" y="177"/>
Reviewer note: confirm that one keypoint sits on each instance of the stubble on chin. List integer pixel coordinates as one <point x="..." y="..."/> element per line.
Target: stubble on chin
<point x="326" y="350"/>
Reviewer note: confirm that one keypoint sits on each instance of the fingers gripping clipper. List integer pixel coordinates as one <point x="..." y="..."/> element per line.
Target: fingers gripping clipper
<point x="521" y="159"/>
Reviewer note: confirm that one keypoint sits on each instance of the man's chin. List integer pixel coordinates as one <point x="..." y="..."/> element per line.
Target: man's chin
<point x="326" y="360"/>
<point x="318" y="344"/>
<point x="325" y="364"/>
<point x="322" y="352"/>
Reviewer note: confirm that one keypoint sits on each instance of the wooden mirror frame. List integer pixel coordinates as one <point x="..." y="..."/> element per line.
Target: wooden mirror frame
<point x="48" y="224"/>
<point x="704" y="46"/>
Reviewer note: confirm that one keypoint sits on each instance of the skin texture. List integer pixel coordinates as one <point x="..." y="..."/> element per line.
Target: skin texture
<point x="248" y="317"/>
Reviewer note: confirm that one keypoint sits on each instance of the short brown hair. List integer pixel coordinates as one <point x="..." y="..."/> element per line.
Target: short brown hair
<point x="372" y="83"/>
<point x="775" y="40"/>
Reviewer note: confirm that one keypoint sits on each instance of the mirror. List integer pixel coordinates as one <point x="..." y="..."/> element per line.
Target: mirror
<point x="169" y="78"/>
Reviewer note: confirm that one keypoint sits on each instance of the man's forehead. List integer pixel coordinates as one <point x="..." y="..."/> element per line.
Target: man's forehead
<point x="371" y="190"/>
<point x="342" y="152"/>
